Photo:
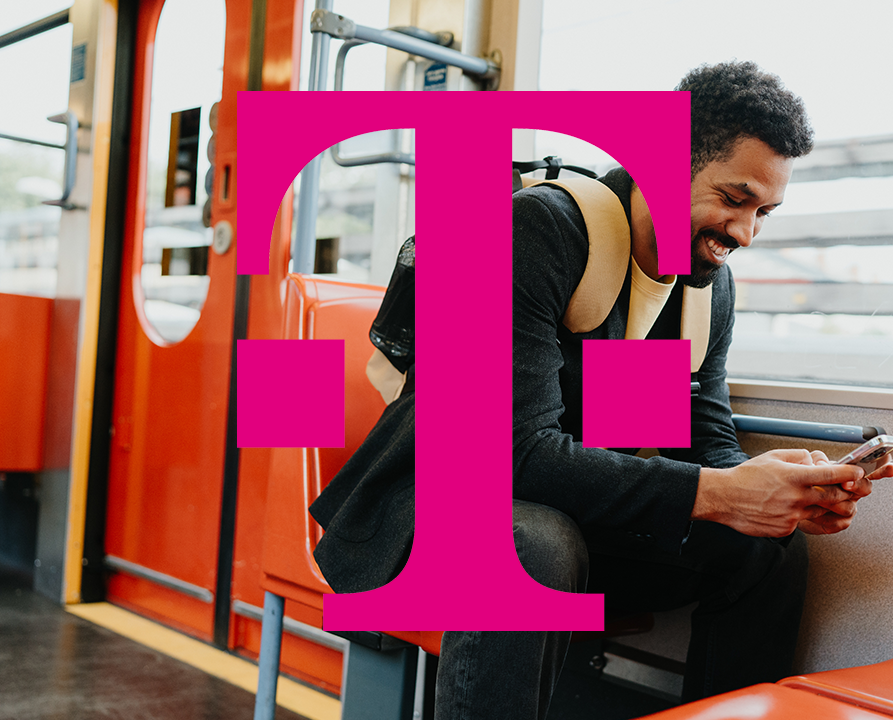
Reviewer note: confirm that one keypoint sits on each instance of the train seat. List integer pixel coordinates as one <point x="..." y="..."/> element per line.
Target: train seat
<point x="868" y="686"/>
<point x="616" y="625"/>
<point x="766" y="702"/>
<point x="318" y="308"/>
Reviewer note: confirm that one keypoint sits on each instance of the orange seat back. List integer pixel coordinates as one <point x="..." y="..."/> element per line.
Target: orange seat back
<point x="869" y="686"/>
<point x="765" y="702"/>
<point x="317" y="309"/>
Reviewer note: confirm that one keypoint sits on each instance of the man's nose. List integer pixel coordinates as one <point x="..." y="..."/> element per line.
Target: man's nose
<point x="742" y="228"/>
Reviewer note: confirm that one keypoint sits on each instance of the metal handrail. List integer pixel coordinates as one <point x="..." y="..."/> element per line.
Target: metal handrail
<point x="358" y="160"/>
<point x="803" y="429"/>
<point x="338" y="26"/>
<point x="412" y="40"/>
<point x="36" y="28"/>
<point x="324" y="24"/>
<point x="70" y="146"/>
<point x="69" y="119"/>
<point x="32" y="141"/>
<point x="303" y="248"/>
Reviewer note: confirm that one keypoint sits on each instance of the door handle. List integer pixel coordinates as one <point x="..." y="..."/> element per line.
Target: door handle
<point x="71" y="157"/>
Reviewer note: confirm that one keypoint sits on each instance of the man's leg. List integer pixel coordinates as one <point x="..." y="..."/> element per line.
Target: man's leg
<point x="496" y="675"/>
<point x="750" y="593"/>
<point x="744" y="636"/>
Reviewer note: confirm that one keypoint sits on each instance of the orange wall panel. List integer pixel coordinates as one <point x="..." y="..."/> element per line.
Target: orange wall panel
<point x="61" y="382"/>
<point x="24" y="352"/>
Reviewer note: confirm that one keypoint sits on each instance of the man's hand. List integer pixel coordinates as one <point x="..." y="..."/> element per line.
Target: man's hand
<point x="885" y="470"/>
<point x="771" y="494"/>
<point x="837" y="518"/>
<point x="834" y="518"/>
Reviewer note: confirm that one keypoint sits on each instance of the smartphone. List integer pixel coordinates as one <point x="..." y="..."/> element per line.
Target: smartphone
<point x="871" y="455"/>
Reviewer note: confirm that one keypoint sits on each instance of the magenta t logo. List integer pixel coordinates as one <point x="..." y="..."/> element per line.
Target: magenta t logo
<point x="463" y="573"/>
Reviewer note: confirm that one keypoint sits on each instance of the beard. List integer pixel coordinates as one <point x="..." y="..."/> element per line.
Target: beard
<point x="703" y="271"/>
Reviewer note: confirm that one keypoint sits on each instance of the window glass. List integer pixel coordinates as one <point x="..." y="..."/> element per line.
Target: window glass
<point x="34" y="80"/>
<point x="348" y="199"/>
<point x="815" y="291"/>
<point x="187" y="78"/>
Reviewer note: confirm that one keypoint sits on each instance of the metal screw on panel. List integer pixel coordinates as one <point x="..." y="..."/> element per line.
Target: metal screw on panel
<point x="598" y="663"/>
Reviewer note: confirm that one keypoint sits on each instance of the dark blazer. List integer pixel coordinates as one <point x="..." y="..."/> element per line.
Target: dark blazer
<point x="613" y="496"/>
<point x="368" y="509"/>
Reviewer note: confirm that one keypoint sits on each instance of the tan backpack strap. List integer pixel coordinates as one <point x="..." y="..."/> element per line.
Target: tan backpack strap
<point x="696" y="310"/>
<point x="606" y="267"/>
<point x="609" y="250"/>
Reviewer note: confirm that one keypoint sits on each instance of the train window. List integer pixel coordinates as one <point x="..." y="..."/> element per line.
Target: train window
<point x="365" y="212"/>
<point x="187" y="78"/>
<point x="353" y="217"/>
<point x="815" y="295"/>
<point x="31" y="172"/>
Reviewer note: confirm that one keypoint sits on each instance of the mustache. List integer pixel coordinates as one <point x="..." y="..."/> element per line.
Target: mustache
<point x="721" y="238"/>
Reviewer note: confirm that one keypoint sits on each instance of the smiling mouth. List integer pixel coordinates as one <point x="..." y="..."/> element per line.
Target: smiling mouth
<point x="718" y="250"/>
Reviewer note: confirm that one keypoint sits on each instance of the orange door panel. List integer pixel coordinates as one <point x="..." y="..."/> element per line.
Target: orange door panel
<point x="171" y="398"/>
<point x="305" y="659"/>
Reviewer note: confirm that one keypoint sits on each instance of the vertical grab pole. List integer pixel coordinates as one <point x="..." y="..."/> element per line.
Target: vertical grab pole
<point x="303" y="251"/>
<point x="475" y="29"/>
<point x="268" y="662"/>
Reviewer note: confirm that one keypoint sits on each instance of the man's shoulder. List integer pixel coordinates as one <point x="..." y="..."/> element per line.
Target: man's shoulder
<point x="723" y="293"/>
<point x="541" y="206"/>
<point x="724" y="283"/>
<point x="538" y="198"/>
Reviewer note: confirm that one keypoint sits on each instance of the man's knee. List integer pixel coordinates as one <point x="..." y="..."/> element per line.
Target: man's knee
<point x="550" y="546"/>
<point x="749" y="562"/>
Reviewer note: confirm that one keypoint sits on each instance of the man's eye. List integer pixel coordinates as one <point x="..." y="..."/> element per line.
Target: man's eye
<point x="765" y="213"/>
<point x="734" y="203"/>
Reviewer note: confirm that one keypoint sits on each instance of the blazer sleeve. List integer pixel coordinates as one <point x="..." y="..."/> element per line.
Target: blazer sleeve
<point x="714" y="442"/>
<point x="608" y="494"/>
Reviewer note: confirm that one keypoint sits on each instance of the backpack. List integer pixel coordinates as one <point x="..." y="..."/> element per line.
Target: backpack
<point x="609" y="253"/>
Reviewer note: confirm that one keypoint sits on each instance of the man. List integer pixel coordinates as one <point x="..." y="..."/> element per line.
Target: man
<point x="705" y="524"/>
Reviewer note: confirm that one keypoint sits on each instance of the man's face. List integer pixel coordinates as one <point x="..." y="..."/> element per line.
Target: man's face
<point x="730" y="198"/>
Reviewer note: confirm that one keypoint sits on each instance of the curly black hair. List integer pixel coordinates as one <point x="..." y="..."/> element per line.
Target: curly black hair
<point x="738" y="99"/>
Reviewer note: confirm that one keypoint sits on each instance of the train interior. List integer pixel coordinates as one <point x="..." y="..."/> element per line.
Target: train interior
<point x="143" y="552"/>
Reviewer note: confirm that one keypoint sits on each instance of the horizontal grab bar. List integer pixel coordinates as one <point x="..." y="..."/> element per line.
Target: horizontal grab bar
<point x="359" y="160"/>
<point x="802" y="429"/>
<point x="30" y="141"/>
<point x="159" y="578"/>
<point x="343" y="28"/>
<point x="36" y="28"/>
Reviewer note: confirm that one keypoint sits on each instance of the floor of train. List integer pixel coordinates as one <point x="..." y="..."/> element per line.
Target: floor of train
<point x="55" y="665"/>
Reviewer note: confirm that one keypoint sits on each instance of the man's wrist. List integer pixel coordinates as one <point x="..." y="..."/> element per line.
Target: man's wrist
<point x="708" y="505"/>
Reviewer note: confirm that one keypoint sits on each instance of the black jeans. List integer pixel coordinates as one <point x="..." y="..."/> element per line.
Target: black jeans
<point x="749" y="591"/>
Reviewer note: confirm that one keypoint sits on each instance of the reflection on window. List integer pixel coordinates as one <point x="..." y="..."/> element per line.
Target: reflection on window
<point x="187" y="77"/>
<point x="815" y="291"/>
